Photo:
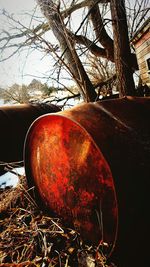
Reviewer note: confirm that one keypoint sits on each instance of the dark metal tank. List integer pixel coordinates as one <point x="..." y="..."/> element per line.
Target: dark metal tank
<point x="14" y="123"/>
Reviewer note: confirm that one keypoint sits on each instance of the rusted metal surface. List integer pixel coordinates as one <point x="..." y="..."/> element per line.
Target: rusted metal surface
<point x="121" y="129"/>
<point x="14" y="123"/>
<point x="69" y="171"/>
<point x="72" y="177"/>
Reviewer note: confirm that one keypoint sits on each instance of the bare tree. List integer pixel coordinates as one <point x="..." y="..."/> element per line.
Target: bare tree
<point x="75" y="45"/>
<point x="137" y="12"/>
<point x="16" y="94"/>
<point x="122" y="52"/>
<point x="103" y="76"/>
<point x="25" y="94"/>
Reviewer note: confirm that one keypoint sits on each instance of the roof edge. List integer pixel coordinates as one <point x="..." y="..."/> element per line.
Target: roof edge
<point x="144" y="28"/>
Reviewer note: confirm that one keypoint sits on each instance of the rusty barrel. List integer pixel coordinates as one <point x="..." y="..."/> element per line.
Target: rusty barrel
<point x="14" y="123"/>
<point x="80" y="160"/>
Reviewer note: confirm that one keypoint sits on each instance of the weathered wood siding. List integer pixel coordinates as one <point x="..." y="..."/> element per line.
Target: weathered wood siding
<point x="142" y="48"/>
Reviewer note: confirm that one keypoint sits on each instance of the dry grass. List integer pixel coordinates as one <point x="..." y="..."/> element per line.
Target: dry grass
<point x="28" y="237"/>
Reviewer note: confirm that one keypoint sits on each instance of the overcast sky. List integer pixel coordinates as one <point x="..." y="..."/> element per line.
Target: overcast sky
<point x="17" y="68"/>
<point x="17" y="5"/>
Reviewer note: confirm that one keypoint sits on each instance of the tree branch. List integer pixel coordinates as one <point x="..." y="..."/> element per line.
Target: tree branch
<point x="66" y="42"/>
<point x="101" y="34"/>
<point x="66" y="98"/>
<point x="80" y="5"/>
<point x="91" y="46"/>
<point x="107" y="81"/>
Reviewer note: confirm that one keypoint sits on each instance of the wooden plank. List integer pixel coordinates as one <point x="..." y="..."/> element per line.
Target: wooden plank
<point x="143" y="46"/>
<point x="145" y="73"/>
<point x="145" y="77"/>
<point x="142" y="65"/>
<point x="141" y="60"/>
<point x="144" y="38"/>
<point x="143" y="68"/>
<point x="143" y="53"/>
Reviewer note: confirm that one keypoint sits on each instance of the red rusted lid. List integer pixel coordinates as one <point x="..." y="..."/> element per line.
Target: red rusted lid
<point x="72" y="177"/>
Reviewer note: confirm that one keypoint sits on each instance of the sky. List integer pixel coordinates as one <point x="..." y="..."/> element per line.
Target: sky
<point x="18" y="68"/>
<point x="23" y="67"/>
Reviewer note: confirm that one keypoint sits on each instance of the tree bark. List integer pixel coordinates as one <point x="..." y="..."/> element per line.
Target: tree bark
<point x="92" y="47"/>
<point x="67" y="44"/>
<point x="100" y="32"/>
<point x="122" y="53"/>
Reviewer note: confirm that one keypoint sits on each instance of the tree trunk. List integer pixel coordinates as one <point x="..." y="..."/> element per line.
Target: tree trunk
<point x="67" y="44"/>
<point x="122" y="53"/>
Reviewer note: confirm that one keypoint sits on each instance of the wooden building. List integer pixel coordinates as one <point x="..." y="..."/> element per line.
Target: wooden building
<point x="141" y="43"/>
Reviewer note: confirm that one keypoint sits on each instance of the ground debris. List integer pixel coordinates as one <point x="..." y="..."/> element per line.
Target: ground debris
<point x="29" y="237"/>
